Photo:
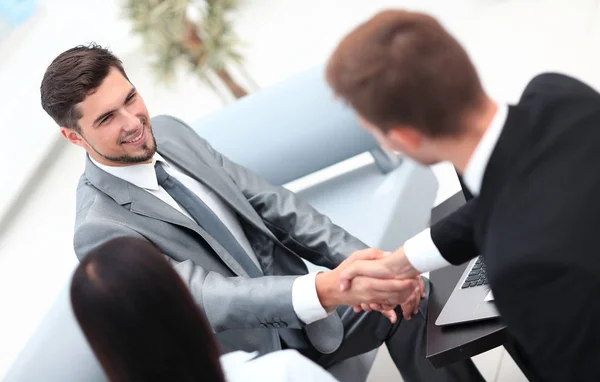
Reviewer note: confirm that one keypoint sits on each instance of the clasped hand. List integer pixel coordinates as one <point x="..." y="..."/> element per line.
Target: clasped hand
<point x="373" y="280"/>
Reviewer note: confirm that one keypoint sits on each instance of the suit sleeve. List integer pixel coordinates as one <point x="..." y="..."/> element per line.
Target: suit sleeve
<point x="240" y="302"/>
<point x="228" y="302"/>
<point x="454" y="235"/>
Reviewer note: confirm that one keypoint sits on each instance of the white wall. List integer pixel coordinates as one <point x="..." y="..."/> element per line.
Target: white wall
<point x="509" y="41"/>
<point x="57" y="25"/>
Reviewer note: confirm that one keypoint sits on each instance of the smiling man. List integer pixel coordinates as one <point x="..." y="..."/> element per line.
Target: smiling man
<point x="106" y="141"/>
<point x="237" y="241"/>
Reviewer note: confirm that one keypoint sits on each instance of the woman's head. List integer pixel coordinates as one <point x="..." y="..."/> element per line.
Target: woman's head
<point x="139" y="317"/>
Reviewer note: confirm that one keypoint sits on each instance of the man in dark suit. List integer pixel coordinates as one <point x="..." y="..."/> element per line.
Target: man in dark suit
<point x="237" y="241"/>
<point x="533" y="167"/>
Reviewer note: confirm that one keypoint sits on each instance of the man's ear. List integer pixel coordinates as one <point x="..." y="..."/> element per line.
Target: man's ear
<point x="405" y="138"/>
<point x="72" y="136"/>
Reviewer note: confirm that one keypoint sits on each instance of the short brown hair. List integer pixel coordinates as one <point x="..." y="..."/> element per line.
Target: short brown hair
<point x="404" y="68"/>
<point x="73" y="75"/>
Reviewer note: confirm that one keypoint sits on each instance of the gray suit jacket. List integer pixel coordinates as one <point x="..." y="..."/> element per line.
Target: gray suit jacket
<point x="245" y="313"/>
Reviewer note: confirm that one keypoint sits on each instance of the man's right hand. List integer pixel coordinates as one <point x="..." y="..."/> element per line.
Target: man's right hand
<point x="378" y="293"/>
<point x="409" y="307"/>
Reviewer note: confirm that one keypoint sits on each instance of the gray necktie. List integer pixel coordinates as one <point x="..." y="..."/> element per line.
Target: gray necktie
<point x="206" y="219"/>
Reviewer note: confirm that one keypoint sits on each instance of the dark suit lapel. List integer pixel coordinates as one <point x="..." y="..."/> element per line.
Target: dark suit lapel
<point x="143" y="203"/>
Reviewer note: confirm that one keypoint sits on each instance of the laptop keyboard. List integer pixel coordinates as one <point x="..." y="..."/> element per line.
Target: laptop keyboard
<point x="477" y="276"/>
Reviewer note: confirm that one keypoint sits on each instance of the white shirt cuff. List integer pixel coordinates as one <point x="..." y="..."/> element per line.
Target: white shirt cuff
<point x="305" y="300"/>
<point x="422" y="253"/>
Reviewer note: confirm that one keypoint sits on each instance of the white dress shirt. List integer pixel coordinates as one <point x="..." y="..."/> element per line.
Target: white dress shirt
<point x="420" y="250"/>
<point x="304" y="292"/>
<point x="281" y="366"/>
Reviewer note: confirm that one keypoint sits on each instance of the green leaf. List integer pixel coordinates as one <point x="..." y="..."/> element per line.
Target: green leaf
<point x="161" y="25"/>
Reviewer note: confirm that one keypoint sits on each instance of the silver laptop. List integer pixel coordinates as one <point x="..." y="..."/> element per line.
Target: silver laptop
<point x="471" y="299"/>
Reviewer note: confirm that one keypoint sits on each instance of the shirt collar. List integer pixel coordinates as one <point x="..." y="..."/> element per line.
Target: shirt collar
<point x="475" y="169"/>
<point x="142" y="175"/>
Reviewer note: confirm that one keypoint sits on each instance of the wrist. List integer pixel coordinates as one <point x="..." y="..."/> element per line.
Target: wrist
<point x="328" y="290"/>
<point x="402" y="266"/>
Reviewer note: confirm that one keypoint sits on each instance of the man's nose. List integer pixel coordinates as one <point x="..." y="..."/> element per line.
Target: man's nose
<point x="132" y="122"/>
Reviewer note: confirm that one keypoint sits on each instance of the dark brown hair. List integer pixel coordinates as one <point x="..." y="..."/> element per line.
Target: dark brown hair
<point x="139" y="317"/>
<point x="73" y="75"/>
<point x="404" y="68"/>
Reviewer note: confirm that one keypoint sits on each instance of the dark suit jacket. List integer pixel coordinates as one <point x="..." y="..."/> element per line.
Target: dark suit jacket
<point x="537" y="223"/>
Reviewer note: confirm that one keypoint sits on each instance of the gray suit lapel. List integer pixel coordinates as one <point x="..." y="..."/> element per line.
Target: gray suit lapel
<point x="143" y="203"/>
<point x="195" y="167"/>
<point x="146" y="204"/>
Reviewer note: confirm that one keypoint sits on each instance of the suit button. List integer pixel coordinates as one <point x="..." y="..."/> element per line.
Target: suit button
<point x="263" y="325"/>
<point x="276" y="325"/>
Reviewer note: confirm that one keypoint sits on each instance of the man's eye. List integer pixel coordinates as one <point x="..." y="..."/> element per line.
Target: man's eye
<point x="130" y="98"/>
<point x="106" y="119"/>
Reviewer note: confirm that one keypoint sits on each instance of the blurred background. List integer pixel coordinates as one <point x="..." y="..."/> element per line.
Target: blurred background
<point x="189" y="58"/>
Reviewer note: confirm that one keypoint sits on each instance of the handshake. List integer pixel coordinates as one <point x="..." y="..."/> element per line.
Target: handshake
<point x="372" y="280"/>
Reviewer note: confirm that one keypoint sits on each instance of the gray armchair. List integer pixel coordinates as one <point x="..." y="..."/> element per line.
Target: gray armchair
<point x="284" y="133"/>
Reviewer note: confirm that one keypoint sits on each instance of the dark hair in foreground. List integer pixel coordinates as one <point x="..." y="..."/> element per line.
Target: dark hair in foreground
<point x="404" y="68"/>
<point x="73" y="75"/>
<point x="139" y="317"/>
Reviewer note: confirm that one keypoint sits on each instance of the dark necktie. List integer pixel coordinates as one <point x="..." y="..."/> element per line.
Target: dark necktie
<point x="206" y="219"/>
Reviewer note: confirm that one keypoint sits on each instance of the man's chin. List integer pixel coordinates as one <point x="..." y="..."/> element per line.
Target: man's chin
<point x="131" y="159"/>
<point x="424" y="161"/>
<point x="431" y="162"/>
<point x="145" y="157"/>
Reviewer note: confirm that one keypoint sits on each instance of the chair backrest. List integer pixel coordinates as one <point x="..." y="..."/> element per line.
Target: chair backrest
<point x="296" y="128"/>
<point x="289" y="130"/>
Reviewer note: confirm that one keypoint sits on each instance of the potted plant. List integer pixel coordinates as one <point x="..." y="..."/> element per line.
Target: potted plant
<point x="196" y="33"/>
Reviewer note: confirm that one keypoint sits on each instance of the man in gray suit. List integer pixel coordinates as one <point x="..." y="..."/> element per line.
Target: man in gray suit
<point x="236" y="240"/>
